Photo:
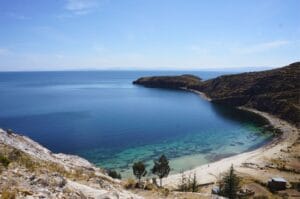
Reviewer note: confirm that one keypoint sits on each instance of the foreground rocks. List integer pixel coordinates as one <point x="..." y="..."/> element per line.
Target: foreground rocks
<point x="29" y="170"/>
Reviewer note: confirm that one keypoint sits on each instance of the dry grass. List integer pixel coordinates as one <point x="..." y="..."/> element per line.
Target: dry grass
<point x="16" y="158"/>
<point x="261" y="197"/>
<point x="129" y="183"/>
<point x="11" y="155"/>
<point x="8" y="194"/>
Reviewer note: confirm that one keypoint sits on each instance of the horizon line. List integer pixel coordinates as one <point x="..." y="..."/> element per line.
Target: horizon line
<point x="214" y="69"/>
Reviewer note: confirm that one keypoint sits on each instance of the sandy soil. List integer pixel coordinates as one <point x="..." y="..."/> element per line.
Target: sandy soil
<point x="203" y="95"/>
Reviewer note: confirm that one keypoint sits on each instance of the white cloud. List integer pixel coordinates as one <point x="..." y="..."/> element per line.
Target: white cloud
<point x="262" y="47"/>
<point x="81" y="7"/>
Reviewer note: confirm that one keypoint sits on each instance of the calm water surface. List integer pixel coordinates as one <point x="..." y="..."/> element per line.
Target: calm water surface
<point x="101" y="116"/>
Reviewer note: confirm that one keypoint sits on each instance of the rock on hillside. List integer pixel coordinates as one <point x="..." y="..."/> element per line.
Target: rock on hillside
<point x="274" y="91"/>
<point x="28" y="170"/>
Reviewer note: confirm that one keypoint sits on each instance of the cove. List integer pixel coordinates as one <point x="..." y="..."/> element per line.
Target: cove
<point x="102" y="117"/>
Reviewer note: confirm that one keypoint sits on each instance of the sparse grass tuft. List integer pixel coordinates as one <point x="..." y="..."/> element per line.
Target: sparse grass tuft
<point x="130" y="184"/>
<point x="4" y="161"/>
<point x="165" y="192"/>
<point x="10" y="155"/>
<point x="7" y="194"/>
<point x="261" y="197"/>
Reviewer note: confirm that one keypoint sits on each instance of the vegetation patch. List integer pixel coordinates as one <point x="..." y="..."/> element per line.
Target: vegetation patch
<point x="4" y="161"/>
<point x="130" y="183"/>
<point x="7" y="194"/>
<point x="114" y="174"/>
<point x="188" y="183"/>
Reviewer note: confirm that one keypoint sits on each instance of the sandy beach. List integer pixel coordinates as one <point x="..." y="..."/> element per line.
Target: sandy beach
<point x="254" y="163"/>
<point x="203" y="95"/>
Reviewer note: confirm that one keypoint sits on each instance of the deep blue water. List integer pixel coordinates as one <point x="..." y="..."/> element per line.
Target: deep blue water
<point x="103" y="117"/>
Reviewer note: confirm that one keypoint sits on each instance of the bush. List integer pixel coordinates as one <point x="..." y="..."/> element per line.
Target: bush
<point x="4" y="161"/>
<point x="188" y="184"/>
<point x="194" y="184"/>
<point x="20" y="157"/>
<point x="150" y="187"/>
<point x="165" y="192"/>
<point x="114" y="174"/>
<point x="130" y="184"/>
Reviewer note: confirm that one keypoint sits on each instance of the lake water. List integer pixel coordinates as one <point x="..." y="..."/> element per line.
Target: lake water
<point x="103" y="117"/>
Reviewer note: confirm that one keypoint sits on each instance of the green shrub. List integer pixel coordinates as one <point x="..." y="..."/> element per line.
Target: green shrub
<point x="114" y="174"/>
<point x="4" y="161"/>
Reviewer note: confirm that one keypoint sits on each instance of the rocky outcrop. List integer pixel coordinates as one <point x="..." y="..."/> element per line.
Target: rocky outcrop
<point x="28" y="170"/>
<point x="274" y="91"/>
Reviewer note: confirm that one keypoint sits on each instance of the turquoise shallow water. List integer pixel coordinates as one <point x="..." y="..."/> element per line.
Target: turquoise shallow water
<point x="101" y="116"/>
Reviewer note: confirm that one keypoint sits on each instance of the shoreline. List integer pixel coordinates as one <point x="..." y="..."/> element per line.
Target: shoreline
<point x="203" y="95"/>
<point x="248" y="162"/>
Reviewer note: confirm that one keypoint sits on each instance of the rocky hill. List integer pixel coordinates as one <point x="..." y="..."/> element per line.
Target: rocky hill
<point x="274" y="91"/>
<point x="28" y="170"/>
<point x="169" y="81"/>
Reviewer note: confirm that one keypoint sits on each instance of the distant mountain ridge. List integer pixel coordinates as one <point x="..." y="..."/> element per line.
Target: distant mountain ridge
<point x="275" y="91"/>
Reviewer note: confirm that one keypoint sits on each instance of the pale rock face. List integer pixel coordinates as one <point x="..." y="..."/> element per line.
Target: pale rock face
<point x="34" y="149"/>
<point x="47" y="184"/>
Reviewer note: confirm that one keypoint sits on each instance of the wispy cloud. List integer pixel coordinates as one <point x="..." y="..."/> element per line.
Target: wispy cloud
<point x="81" y="7"/>
<point x="262" y="47"/>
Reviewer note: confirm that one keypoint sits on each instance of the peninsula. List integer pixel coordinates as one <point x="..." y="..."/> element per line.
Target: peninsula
<point x="274" y="91"/>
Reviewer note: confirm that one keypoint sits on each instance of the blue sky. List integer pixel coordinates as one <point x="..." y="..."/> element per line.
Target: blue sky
<point x="147" y="34"/>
